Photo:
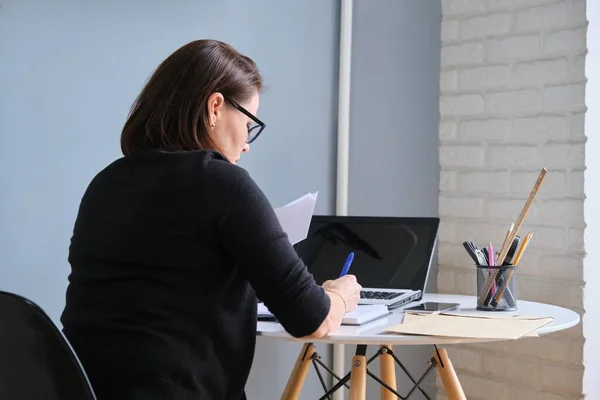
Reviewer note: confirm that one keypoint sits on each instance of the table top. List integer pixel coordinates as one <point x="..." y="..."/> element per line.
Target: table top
<point x="375" y="332"/>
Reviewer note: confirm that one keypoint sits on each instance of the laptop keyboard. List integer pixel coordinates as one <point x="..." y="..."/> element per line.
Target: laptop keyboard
<point x="372" y="295"/>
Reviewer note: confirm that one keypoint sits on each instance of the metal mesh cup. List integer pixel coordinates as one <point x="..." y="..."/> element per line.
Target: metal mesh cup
<point x="496" y="288"/>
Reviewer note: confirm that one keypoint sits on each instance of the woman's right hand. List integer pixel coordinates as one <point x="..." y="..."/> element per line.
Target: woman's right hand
<point x="344" y="293"/>
<point x="347" y="287"/>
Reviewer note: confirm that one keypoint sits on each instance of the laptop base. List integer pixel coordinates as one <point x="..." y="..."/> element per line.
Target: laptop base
<point x="388" y="297"/>
<point x="415" y="297"/>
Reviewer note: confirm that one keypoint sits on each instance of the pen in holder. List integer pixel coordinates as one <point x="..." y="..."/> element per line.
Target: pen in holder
<point x="502" y="294"/>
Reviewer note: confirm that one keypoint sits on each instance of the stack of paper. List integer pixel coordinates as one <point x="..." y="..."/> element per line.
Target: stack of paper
<point x="365" y="313"/>
<point x="361" y="315"/>
<point x="295" y="217"/>
<point x="470" y="326"/>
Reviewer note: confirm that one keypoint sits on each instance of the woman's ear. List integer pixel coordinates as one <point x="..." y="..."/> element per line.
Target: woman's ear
<point x="215" y="105"/>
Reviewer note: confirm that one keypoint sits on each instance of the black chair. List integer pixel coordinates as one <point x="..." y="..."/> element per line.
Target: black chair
<point x="36" y="360"/>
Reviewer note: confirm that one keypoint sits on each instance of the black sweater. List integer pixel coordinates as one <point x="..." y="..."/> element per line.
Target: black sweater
<point x="168" y="254"/>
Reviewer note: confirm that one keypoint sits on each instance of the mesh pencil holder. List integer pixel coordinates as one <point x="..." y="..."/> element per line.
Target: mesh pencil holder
<point x="496" y="288"/>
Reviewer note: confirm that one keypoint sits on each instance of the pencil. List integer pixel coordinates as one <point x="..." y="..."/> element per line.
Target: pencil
<point x="522" y="249"/>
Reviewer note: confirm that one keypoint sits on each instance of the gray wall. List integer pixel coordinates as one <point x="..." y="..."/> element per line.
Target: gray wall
<point x="394" y="168"/>
<point x="69" y="71"/>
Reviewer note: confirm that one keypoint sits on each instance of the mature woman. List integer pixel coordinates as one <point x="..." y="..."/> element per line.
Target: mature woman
<point x="174" y="242"/>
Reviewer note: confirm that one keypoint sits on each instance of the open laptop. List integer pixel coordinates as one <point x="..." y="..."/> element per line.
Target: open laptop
<point x="392" y="255"/>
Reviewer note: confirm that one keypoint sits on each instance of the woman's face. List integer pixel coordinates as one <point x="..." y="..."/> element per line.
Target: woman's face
<point x="229" y="126"/>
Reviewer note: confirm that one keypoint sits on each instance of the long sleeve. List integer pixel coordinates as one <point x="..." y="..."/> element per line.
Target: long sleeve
<point x="252" y="236"/>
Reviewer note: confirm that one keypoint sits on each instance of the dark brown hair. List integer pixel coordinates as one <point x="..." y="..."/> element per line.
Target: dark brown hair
<point x="171" y="111"/>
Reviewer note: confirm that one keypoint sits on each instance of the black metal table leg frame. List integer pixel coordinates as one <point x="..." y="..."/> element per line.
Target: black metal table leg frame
<point x="336" y="387"/>
<point x="317" y="359"/>
<point x="361" y="350"/>
<point x="421" y="379"/>
<point x="385" y="385"/>
<point x="438" y="354"/>
<point x="397" y="360"/>
<point x="314" y="361"/>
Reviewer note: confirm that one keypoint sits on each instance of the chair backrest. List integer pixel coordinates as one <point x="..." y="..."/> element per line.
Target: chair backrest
<point x="36" y="360"/>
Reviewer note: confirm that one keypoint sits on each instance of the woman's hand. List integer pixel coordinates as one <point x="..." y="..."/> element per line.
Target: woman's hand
<point x="347" y="288"/>
<point x="344" y="294"/>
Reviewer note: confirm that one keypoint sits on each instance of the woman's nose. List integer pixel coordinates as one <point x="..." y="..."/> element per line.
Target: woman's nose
<point x="246" y="148"/>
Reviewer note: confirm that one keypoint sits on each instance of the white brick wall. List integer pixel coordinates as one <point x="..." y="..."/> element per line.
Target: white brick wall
<point x="512" y="101"/>
<point x="591" y="383"/>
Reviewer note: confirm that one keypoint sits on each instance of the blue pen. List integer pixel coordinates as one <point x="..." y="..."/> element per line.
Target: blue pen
<point x="347" y="264"/>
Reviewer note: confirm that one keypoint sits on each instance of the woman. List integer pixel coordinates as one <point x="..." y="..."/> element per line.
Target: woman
<point x="173" y="242"/>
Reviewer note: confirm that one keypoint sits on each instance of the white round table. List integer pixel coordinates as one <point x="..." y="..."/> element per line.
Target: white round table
<point x="375" y="333"/>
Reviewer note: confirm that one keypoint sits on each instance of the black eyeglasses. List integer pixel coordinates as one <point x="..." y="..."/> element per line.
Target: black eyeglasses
<point x="253" y="130"/>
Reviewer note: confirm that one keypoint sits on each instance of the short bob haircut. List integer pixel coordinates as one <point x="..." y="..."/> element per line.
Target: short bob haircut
<point x="171" y="111"/>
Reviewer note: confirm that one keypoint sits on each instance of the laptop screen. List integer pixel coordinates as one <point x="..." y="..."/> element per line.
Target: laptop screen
<point x="389" y="252"/>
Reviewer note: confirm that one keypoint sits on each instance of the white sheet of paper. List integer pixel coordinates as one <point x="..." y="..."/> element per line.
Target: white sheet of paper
<point x="295" y="217"/>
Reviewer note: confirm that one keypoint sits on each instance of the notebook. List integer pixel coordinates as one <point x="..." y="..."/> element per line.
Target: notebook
<point x="365" y="313"/>
<point x="361" y="315"/>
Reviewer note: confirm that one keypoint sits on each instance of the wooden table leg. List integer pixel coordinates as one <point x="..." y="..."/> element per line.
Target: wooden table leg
<point x="387" y="369"/>
<point x="448" y="376"/>
<point x="293" y="388"/>
<point x="358" y="377"/>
